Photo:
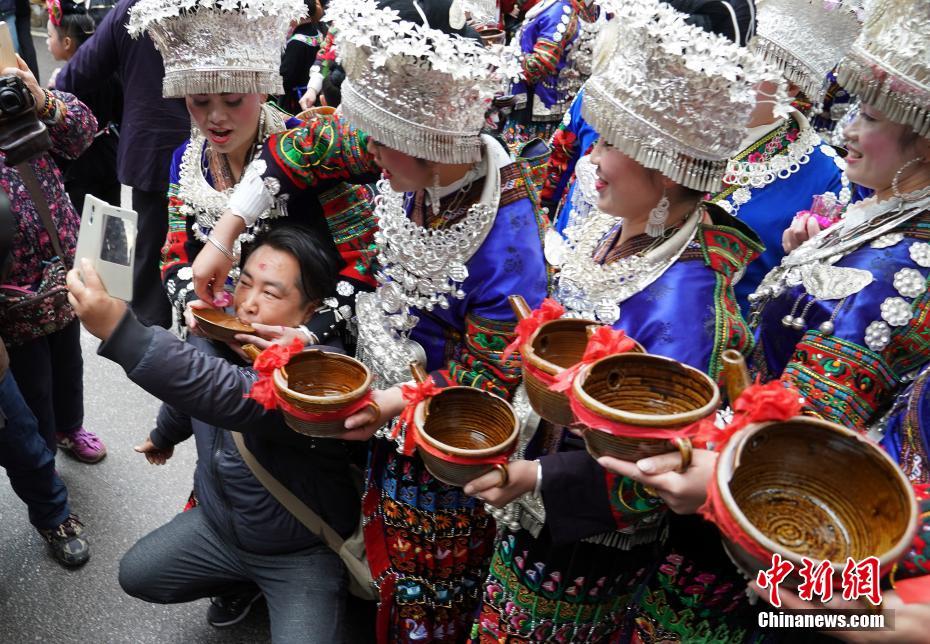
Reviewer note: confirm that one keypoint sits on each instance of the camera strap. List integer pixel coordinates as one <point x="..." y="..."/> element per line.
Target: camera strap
<point x="31" y="181"/>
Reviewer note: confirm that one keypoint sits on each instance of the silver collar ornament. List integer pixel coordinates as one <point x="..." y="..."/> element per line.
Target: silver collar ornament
<point x="588" y="289"/>
<point x="813" y="263"/>
<point x="755" y="175"/>
<point x="419" y="268"/>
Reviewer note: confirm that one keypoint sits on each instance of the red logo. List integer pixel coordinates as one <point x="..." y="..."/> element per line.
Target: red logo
<point x="859" y="579"/>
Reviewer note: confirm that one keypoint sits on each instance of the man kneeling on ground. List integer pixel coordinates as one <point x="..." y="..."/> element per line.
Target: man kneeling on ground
<point x="238" y="534"/>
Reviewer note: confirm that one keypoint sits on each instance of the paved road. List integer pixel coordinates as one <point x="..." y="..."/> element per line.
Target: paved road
<point x="119" y="500"/>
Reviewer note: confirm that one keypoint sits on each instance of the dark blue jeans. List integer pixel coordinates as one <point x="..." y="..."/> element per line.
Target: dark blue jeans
<point x="28" y="461"/>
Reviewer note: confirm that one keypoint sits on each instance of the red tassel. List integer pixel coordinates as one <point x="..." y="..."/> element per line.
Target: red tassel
<point x="547" y="311"/>
<point x="274" y="357"/>
<point x="604" y="342"/>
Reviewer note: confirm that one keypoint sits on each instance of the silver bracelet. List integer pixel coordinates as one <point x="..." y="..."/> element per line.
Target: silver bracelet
<point x="222" y="249"/>
<point x="537" y="490"/>
<point x="310" y="335"/>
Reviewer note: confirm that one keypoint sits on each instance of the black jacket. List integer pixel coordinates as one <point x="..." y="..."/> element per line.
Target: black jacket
<point x="203" y="386"/>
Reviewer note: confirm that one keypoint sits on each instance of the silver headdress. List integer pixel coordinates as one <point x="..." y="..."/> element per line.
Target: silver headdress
<point x="210" y="47"/>
<point x="414" y="88"/>
<point x="805" y="39"/>
<point x="672" y="96"/>
<point x="889" y="64"/>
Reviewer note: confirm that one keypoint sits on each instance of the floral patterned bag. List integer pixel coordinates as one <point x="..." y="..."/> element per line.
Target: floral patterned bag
<point x="24" y="314"/>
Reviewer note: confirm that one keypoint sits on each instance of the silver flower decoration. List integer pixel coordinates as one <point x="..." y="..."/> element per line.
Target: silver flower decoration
<point x="877" y="335"/>
<point x="896" y="311"/>
<point x="909" y="282"/>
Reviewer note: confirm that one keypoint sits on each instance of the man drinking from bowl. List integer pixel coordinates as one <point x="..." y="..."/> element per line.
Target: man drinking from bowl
<point x="238" y="536"/>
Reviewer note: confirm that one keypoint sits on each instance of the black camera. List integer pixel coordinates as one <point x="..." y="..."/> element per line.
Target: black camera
<point x="22" y="135"/>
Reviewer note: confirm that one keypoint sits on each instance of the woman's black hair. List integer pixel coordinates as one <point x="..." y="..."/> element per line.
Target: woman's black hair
<point x="78" y="26"/>
<point x="332" y="85"/>
<point x="732" y="19"/>
<point x="316" y="257"/>
<point x="436" y="12"/>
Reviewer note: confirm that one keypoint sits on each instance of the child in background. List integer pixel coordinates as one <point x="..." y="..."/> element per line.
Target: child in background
<point x="69" y="26"/>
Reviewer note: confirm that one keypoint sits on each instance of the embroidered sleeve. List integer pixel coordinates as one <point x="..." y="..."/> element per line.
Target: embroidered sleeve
<point x="561" y="164"/>
<point x="73" y="133"/>
<point x="841" y="381"/>
<point x="630" y="504"/>
<point x="320" y="150"/>
<point x="479" y="361"/>
<point x="352" y="225"/>
<point x="180" y="247"/>
<point x="326" y="56"/>
<point x="543" y="61"/>
<point x="174" y="253"/>
<point x="727" y="252"/>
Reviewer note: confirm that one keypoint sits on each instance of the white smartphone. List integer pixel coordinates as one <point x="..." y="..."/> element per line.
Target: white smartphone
<point x="108" y="239"/>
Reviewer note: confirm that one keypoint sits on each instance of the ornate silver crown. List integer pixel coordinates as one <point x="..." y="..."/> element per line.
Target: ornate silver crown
<point x="210" y="47"/>
<point x="889" y="64"/>
<point x="673" y="96"/>
<point x="414" y="88"/>
<point x="805" y="39"/>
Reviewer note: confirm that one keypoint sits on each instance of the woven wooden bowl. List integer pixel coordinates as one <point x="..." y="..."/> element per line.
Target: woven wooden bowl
<point x="646" y="391"/>
<point x="556" y="346"/>
<point x="467" y="423"/>
<point x="220" y="325"/>
<point x="809" y="488"/>
<point x="320" y="382"/>
<point x="320" y="110"/>
<point x="492" y="35"/>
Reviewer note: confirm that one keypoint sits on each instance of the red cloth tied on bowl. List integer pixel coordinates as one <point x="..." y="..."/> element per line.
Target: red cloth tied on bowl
<point x="413" y="394"/>
<point x="322" y="417"/>
<point x="604" y="342"/>
<point x="760" y="403"/>
<point x="757" y="404"/>
<point x="274" y="357"/>
<point x="549" y="310"/>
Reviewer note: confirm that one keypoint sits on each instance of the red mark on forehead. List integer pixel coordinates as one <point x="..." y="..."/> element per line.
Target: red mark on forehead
<point x="262" y="265"/>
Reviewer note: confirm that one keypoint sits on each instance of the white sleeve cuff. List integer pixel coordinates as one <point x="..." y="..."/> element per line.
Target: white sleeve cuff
<point x="251" y="198"/>
<point x="316" y="82"/>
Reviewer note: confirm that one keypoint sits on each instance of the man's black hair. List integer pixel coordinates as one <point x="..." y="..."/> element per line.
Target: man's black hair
<point x="318" y="262"/>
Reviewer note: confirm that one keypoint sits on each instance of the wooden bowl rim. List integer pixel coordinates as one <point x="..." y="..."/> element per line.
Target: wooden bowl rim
<point x="319" y="110"/>
<point x="280" y="382"/>
<point x="728" y="463"/>
<point x="647" y="420"/>
<point x="419" y="417"/>
<point x="209" y="325"/>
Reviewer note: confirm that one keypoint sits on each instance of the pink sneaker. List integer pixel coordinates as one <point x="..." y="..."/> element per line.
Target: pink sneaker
<point x="83" y="445"/>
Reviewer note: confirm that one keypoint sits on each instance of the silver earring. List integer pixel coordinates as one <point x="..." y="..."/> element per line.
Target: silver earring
<point x="655" y="225"/>
<point x="433" y="193"/>
<point x="913" y="196"/>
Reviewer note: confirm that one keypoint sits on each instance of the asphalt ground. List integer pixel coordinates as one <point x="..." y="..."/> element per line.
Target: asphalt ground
<point x="119" y="500"/>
